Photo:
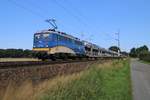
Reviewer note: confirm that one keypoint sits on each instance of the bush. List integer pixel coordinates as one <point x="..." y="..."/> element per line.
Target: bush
<point x="145" y="56"/>
<point x="15" y="53"/>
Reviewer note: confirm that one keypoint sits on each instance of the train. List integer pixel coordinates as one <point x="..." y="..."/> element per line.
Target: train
<point x="52" y="44"/>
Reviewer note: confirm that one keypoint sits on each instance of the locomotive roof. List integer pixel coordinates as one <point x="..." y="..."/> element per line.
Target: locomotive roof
<point x="58" y="32"/>
<point x="94" y="45"/>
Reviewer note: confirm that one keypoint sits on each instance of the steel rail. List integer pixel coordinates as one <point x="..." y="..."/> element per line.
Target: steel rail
<point x="16" y="64"/>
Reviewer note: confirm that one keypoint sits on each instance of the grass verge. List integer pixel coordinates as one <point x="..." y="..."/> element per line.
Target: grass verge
<point x="110" y="81"/>
<point x="17" y="59"/>
<point x="146" y="62"/>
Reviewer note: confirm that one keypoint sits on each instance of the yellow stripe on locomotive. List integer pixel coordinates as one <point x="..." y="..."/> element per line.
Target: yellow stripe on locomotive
<point x="57" y="49"/>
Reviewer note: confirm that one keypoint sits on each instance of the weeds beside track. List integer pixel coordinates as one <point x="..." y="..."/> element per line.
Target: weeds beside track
<point x="110" y="81"/>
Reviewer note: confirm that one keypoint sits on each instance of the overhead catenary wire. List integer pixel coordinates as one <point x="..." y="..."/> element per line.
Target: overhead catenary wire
<point x="82" y="18"/>
<point x="43" y="10"/>
<point x="43" y="16"/>
<point x="26" y="8"/>
<point x="73" y="15"/>
<point x="80" y="15"/>
<point x="37" y="13"/>
<point x="75" y="9"/>
<point x="70" y="13"/>
<point x="35" y="5"/>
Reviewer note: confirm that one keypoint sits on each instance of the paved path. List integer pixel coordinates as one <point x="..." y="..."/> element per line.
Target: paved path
<point x="140" y="80"/>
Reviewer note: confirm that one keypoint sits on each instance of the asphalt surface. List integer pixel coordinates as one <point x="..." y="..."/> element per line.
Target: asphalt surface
<point x="140" y="75"/>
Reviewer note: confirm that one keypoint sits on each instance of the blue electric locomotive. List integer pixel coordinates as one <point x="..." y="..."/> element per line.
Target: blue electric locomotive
<point x="51" y="44"/>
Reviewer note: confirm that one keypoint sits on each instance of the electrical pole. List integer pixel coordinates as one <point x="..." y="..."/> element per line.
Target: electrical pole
<point x="118" y="40"/>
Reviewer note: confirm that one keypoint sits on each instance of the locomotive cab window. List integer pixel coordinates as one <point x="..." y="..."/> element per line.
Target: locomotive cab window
<point x="46" y="37"/>
<point x="59" y="38"/>
<point x="37" y="36"/>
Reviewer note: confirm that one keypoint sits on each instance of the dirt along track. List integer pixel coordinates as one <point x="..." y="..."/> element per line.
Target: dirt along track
<point x="11" y="75"/>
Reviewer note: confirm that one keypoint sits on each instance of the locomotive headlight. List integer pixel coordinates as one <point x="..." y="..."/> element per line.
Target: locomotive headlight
<point x="46" y="45"/>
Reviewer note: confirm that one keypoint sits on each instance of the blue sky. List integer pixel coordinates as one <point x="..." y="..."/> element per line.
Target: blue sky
<point x="93" y="20"/>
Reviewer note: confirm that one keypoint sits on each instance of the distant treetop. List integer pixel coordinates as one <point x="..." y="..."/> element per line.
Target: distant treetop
<point x="114" y="48"/>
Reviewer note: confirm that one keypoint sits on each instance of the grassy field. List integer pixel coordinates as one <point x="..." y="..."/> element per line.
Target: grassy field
<point x="17" y="59"/>
<point x="109" y="81"/>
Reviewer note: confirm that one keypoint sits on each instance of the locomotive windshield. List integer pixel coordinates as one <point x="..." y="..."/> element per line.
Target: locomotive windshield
<point x="41" y="39"/>
<point x="42" y="36"/>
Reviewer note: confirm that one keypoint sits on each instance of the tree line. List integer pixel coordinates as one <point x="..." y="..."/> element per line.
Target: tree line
<point x="16" y="53"/>
<point x="21" y="53"/>
<point x="142" y="53"/>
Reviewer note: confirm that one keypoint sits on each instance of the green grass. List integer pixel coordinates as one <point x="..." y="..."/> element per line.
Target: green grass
<point x="117" y="83"/>
<point x="107" y="82"/>
<point x="146" y="62"/>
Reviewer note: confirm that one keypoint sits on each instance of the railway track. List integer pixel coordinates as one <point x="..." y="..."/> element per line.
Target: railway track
<point x="5" y="65"/>
<point x="15" y="64"/>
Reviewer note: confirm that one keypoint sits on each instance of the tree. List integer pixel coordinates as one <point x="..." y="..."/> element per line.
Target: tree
<point x="28" y="53"/>
<point x="15" y="53"/>
<point x="142" y="49"/>
<point x="114" y="48"/>
<point x="133" y="52"/>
